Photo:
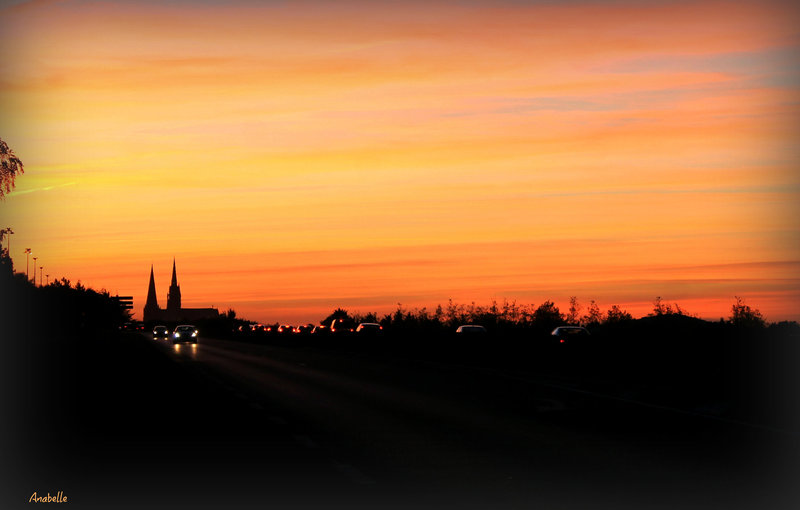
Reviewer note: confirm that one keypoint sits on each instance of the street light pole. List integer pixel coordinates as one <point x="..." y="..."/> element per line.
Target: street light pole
<point x="41" y="269"/>
<point x="48" y="279"/>
<point x="27" y="262"/>
<point x="34" y="270"/>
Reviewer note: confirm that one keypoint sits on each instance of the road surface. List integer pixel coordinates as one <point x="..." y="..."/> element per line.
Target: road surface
<point x="228" y="424"/>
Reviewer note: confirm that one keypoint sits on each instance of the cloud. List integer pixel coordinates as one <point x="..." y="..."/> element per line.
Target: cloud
<point x="21" y="5"/>
<point x="351" y="268"/>
<point x="46" y="188"/>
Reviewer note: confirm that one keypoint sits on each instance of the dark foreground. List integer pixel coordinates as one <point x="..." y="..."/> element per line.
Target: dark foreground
<point x="122" y="421"/>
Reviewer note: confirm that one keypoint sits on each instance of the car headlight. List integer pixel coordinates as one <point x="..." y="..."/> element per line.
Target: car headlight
<point x="178" y="335"/>
<point x="194" y="334"/>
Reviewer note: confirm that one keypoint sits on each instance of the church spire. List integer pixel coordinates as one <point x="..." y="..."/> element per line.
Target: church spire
<point x="174" y="282"/>
<point x="152" y="300"/>
<point x="174" y="294"/>
<point x="151" y="305"/>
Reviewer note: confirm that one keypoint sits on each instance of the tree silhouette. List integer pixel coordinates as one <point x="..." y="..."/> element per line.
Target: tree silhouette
<point x="573" y="314"/>
<point x="547" y="316"/>
<point x="616" y="315"/>
<point x="593" y="315"/>
<point x="743" y="315"/>
<point x="11" y="166"/>
<point x="659" y="308"/>
<point x="339" y="313"/>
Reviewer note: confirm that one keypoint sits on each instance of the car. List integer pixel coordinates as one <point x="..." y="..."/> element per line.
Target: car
<point x="285" y="329"/>
<point x="369" y="329"/>
<point x="185" y="333"/>
<point x="160" y="332"/>
<point x="321" y="331"/>
<point x="132" y="326"/>
<point x="471" y="329"/>
<point x="259" y="330"/>
<point x="569" y="334"/>
<point x="303" y="329"/>
<point x="341" y="327"/>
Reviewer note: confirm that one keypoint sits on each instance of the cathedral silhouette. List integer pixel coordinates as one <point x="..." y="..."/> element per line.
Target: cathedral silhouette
<point x="173" y="312"/>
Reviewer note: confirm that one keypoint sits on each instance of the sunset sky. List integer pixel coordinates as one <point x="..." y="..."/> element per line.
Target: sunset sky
<point x="295" y="157"/>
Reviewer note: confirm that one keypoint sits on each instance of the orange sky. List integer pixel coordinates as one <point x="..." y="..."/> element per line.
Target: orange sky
<point x="299" y="156"/>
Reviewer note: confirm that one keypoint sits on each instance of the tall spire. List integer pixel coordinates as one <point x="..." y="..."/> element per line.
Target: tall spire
<point x="174" y="282"/>
<point x="151" y="305"/>
<point x="152" y="300"/>
<point x="174" y="294"/>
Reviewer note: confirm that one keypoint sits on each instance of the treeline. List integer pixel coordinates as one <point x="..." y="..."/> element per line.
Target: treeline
<point x="737" y="367"/>
<point x="509" y="317"/>
<point x="512" y="326"/>
<point x="59" y="308"/>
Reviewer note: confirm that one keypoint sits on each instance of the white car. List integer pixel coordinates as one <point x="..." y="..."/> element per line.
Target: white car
<point x="185" y="333"/>
<point x="369" y="328"/>
<point x="569" y="334"/>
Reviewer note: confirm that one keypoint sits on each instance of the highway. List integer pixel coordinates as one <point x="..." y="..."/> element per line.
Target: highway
<point x="129" y="421"/>
<point x="452" y="432"/>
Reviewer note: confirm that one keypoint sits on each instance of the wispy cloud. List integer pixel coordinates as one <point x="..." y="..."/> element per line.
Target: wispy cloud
<point x="44" y="188"/>
<point x="740" y="62"/>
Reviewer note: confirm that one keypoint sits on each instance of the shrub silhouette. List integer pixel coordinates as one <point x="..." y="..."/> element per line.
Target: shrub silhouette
<point x="594" y="317"/>
<point x="573" y="313"/>
<point x="617" y="315"/>
<point x="744" y="316"/>
<point x="339" y="313"/>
